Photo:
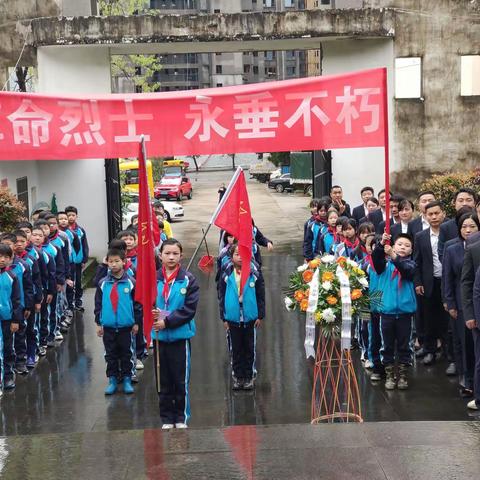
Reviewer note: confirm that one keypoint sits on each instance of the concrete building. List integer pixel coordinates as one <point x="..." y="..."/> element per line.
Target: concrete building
<point x="430" y="50"/>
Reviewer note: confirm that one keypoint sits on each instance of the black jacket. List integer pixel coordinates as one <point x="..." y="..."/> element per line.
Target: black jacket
<point x="415" y="226"/>
<point x="422" y="254"/>
<point x="358" y="213"/>
<point x="375" y="217"/>
<point x="380" y="228"/>
<point x="471" y="262"/>
<point x="448" y="231"/>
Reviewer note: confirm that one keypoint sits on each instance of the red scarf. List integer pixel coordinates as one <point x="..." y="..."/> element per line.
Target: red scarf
<point x="132" y="253"/>
<point x="114" y="296"/>
<point x="396" y="273"/>
<point x="167" y="280"/>
<point x="333" y="231"/>
<point x="23" y="254"/>
<point x="351" y="245"/>
<point x="53" y="236"/>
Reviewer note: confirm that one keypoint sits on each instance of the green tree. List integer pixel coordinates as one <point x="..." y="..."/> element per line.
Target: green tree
<point x="12" y="210"/>
<point x="278" y="158"/>
<point x="139" y="69"/>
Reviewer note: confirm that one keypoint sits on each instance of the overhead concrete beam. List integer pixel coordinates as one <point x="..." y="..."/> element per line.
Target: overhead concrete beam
<point x="144" y="33"/>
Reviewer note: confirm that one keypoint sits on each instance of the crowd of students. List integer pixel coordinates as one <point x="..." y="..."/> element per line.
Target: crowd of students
<point x="426" y="270"/>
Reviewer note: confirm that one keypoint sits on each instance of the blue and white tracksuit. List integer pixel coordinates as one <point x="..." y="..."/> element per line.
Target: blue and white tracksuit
<point x="241" y="313"/>
<point x="173" y="345"/>
<point x="117" y="323"/>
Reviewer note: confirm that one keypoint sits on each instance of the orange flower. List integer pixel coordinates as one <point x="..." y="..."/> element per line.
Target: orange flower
<point x="298" y="296"/>
<point x="327" y="276"/>
<point x="356" y="294"/>
<point x="304" y="305"/>
<point x="307" y="293"/>
<point x="314" y="263"/>
<point x="307" y="276"/>
<point x="341" y="261"/>
<point x="331" y="300"/>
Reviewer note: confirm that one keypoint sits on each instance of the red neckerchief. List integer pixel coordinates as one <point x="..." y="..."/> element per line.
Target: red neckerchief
<point x="396" y="273"/>
<point x="53" y="236"/>
<point x="128" y="264"/>
<point x="132" y="253"/>
<point x="73" y="227"/>
<point x="167" y="280"/>
<point x="368" y="259"/>
<point x="363" y="248"/>
<point x="351" y="245"/>
<point x="114" y="296"/>
<point x="6" y="269"/>
<point x="333" y="231"/>
<point x="22" y="255"/>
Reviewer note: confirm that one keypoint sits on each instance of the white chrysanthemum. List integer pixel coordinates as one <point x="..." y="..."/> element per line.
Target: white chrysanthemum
<point x="351" y="262"/>
<point x="288" y="303"/>
<point x="302" y="268"/>
<point x="328" y="316"/>
<point x="363" y="282"/>
<point x="327" y="286"/>
<point x="328" y="259"/>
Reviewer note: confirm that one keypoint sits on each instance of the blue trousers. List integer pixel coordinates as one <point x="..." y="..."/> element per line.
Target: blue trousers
<point x="375" y="342"/>
<point x="396" y="332"/>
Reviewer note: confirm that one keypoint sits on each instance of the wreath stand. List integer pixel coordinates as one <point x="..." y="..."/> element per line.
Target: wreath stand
<point x="335" y="395"/>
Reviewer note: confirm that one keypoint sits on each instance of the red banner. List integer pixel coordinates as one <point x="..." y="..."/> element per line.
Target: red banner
<point x="340" y="111"/>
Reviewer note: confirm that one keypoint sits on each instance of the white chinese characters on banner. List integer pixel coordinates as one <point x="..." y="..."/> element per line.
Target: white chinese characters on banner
<point x="305" y="110"/>
<point x="30" y="124"/>
<point x="131" y="118"/>
<point x="255" y="117"/>
<point x="205" y="120"/>
<point x="73" y="115"/>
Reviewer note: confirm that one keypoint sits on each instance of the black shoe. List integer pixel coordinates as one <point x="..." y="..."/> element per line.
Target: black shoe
<point x="79" y="308"/>
<point x="9" y="384"/>
<point x="420" y="353"/>
<point x="237" y="384"/>
<point x="429" y="359"/>
<point x="21" y="369"/>
<point x="248" y="384"/>
<point x="466" y="392"/>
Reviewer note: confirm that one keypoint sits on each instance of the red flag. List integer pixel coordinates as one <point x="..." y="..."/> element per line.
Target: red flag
<point x="156" y="228"/>
<point x="235" y="217"/>
<point x="146" y="286"/>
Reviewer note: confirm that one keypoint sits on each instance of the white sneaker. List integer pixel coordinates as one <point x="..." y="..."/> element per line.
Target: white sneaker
<point x="58" y="337"/>
<point x="139" y="365"/>
<point x="181" y="425"/>
<point x="368" y="364"/>
<point x="472" y="405"/>
<point x="168" y="426"/>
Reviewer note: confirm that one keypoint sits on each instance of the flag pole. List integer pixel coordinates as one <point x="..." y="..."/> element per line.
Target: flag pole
<point x="215" y="213"/>
<point x="387" y="152"/>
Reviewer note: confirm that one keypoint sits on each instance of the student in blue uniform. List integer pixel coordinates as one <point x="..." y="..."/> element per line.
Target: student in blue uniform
<point x="330" y="238"/>
<point x="23" y="272"/>
<point x="78" y="238"/>
<point x="395" y="270"/>
<point x="174" y="326"/>
<point x="31" y="331"/>
<point x="314" y="229"/>
<point x="350" y="242"/>
<point x="242" y="313"/>
<point x="130" y="239"/>
<point x="117" y="316"/>
<point x="11" y="315"/>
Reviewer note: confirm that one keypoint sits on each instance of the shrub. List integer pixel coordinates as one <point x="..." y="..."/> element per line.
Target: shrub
<point x="445" y="185"/>
<point x="12" y="210"/>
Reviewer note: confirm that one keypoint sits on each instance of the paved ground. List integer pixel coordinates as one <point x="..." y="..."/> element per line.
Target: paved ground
<point x="58" y="423"/>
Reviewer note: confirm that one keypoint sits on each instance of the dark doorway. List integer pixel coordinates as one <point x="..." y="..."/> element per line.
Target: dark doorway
<point x="22" y="193"/>
<point x="114" y="200"/>
<point x="322" y="173"/>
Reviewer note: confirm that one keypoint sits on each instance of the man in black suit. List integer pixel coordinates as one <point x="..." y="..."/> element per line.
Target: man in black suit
<point x="394" y="219"/>
<point x="428" y="282"/>
<point x="420" y="223"/>
<point x="361" y="211"/>
<point x="464" y="202"/>
<point x="471" y="263"/>
<point x="336" y="194"/>
<point x="378" y="216"/>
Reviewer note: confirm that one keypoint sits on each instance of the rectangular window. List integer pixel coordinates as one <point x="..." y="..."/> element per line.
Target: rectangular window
<point x="290" y="71"/>
<point x="470" y="75"/>
<point x="289" y="3"/>
<point x="408" y="77"/>
<point x="219" y="85"/>
<point x="255" y="70"/>
<point x="246" y="68"/>
<point x="218" y="69"/>
<point x="22" y="193"/>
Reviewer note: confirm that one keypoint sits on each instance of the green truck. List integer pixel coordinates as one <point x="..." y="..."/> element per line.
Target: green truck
<point x="301" y="171"/>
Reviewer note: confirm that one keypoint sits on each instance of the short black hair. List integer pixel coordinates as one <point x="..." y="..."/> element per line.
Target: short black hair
<point x="406" y="236"/>
<point x="44" y="214"/>
<point x="404" y="203"/>
<point x="49" y="216"/>
<point x="158" y="204"/>
<point x="117" y="244"/>
<point x="435" y="203"/>
<point x="462" y="211"/>
<point x="367" y="189"/>
<point x="425" y="192"/>
<point x="171" y="241"/>
<point x="116" y="252"/>
<point x="396" y="198"/>
<point x="335" y="186"/>
<point x="20" y="233"/>
<point x="466" y="190"/>
<point x="6" y="250"/>
<point x="313" y="202"/>
<point x="126" y="233"/>
<point x="366" y="227"/>
<point x="383" y="191"/>
<point x="464" y="217"/>
<point x="323" y="204"/>
<point x="24" y="225"/>
<point x="40" y="223"/>
<point x="70" y="209"/>
<point x="349" y="222"/>
<point x="63" y="212"/>
<point x="232" y="248"/>
<point x="8" y="236"/>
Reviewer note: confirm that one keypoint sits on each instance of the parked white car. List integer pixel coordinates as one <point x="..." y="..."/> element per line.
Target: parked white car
<point x="173" y="211"/>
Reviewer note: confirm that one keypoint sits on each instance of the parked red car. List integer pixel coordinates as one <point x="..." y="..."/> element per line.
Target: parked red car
<point x="173" y="188"/>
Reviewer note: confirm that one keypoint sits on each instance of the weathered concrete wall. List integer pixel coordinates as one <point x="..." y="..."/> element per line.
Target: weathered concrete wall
<point x="440" y="132"/>
<point x="211" y="27"/>
<point x="12" y="35"/>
